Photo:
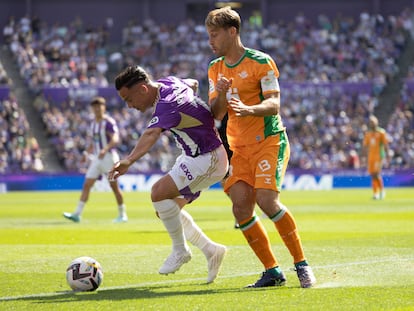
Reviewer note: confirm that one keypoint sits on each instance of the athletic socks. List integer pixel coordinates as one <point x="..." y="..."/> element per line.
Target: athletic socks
<point x="255" y="234"/>
<point x="79" y="208"/>
<point x="196" y="236"/>
<point x="169" y="213"/>
<point x="286" y="226"/>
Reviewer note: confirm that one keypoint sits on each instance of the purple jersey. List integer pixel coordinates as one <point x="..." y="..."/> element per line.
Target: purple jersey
<point x="102" y="132"/>
<point x="187" y="116"/>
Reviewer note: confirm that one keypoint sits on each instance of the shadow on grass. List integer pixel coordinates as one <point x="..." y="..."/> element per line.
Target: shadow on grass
<point x="119" y="294"/>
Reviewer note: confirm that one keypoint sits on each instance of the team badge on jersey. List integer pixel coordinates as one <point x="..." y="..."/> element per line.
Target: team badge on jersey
<point x="269" y="82"/>
<point x="153" y="121"/>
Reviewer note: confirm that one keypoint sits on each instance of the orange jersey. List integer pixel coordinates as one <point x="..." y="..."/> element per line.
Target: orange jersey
<point x="374" y="141"/>
<point x="254" y="77"/>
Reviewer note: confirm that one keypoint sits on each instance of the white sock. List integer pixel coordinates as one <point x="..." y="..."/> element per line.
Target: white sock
<point x="169" y="213"/>
<point x="79" y="208"/>
<point x="196" y="236"/>
<point x="122" y="210"/>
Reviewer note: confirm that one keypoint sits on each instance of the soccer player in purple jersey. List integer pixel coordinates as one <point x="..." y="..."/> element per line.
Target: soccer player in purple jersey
<point x="177" y="108"/>
<point x="104" y="138"/>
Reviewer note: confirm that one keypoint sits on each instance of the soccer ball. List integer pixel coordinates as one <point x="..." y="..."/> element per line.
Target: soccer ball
<point x="84" y="274"/>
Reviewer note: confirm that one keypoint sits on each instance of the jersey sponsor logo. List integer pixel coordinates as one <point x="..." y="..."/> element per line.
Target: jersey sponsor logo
<point x="153" y="121"/>
<point x="243" y="74"/>
<point x="186" y="171"/>
<point x="211" y="86"/>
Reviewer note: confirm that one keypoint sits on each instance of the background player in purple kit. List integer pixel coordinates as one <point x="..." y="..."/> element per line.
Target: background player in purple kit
<point x="102" y="150"/>
<point x="203" y="162"/>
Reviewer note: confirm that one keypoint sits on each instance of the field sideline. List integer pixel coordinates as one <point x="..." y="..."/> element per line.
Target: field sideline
<point x="362" y="252"/>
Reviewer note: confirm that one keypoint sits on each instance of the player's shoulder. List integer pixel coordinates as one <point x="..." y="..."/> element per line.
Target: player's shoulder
<point x="258" y="56"/>
<point x="216" y="61"/>
<point x="109" y="119"/>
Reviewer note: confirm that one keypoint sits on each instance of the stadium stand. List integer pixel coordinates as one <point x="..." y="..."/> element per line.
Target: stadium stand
<point x="325" y="125"/>
<point x="19" y="150"/>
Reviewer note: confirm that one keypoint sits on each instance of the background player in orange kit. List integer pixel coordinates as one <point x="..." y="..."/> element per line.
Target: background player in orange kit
<point x="376" y="150"/>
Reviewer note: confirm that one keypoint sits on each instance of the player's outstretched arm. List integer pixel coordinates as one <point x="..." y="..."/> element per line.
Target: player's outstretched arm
<point x="144" y="144"/>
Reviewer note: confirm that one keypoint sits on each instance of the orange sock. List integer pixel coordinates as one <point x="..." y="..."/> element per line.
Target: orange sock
<point x="288" y="231"/>
<point x="256" y="236"/>
<point x="375" y="185"/>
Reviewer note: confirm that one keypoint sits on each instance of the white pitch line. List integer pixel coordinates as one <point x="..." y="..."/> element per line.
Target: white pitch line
<point x="365" y="262"/>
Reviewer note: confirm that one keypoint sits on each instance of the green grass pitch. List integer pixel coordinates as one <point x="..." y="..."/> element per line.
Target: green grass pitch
<point x="362" y="252"/>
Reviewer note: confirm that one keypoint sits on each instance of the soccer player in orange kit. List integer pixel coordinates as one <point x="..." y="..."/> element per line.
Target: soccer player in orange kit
<point x="243" y="82"/>
<point x="376" y="150"/>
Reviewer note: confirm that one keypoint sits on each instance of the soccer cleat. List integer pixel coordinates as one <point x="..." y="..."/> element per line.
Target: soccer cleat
<point x="120" y="219"/>
<point x="214" y="262"/>
<point x="382" y="195"/>
<point x="306" y="277"/>
<point x="73" y="217"/>
<point x="174" y="262"/>
<point x="269" y="279"/>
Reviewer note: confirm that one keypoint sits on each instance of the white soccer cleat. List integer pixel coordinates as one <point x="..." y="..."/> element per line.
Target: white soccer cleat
<point x="73" y="217"/>
<point x="120" y="219"/>
<point x="214" y="262"/>
<point x="175" y="261"/>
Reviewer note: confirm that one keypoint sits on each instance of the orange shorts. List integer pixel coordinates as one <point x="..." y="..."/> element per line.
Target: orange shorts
<point x="374" y="165"/>
<point x="262" y="165"/>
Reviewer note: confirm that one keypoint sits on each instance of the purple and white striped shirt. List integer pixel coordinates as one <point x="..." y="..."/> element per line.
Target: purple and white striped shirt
<point x="102" y="132"/>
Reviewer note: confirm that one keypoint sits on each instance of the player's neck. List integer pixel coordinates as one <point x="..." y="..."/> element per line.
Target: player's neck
<point x="157" y="93"/>
<point x="99" y="118"/>
<point x="235" y="56"/>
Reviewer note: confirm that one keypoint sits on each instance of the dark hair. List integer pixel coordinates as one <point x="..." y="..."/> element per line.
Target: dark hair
<point x="130" y="76"/>
<point x="224" y="17"/>
<point x="98" y="100"/>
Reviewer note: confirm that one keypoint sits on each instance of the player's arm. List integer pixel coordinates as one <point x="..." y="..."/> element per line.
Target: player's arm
<point x="269" y="106"/>
<point x="113" y="141"/>
<point x="365" y="151"/>
<point x="88" y="150"/>
<point x="143" y="145"/>
<point x="218" y="99"/>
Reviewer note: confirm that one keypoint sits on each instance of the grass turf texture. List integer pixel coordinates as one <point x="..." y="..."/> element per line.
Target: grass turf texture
<point x="362" y="252"/>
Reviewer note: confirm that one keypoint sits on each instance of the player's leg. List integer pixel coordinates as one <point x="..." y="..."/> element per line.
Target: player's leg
<point x="376" y="180"/>
<point x="255" y="234"/>
<point x="380" y="182"/>
<point x="272" y="162"/>
<point x="199" y="174"/>
<point x="163" y="193"/>
<point x="106" y="165"/>
<point x="76" y="215"/>
<point x="122" y="215"/>
<point x="214" y="252"/>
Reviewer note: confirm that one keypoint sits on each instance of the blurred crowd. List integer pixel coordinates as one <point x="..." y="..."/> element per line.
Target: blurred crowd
<point x="325" y="130"/>
<point x="19" y="150"/>
<point x="68" y="127"/>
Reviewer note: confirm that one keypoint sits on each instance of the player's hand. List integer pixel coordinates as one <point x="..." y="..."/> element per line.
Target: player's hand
<point x="239" y="107"/>
<point x="223" y="84"/>
<point x="120" y="168"/>
<point x="102" y="154"/>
